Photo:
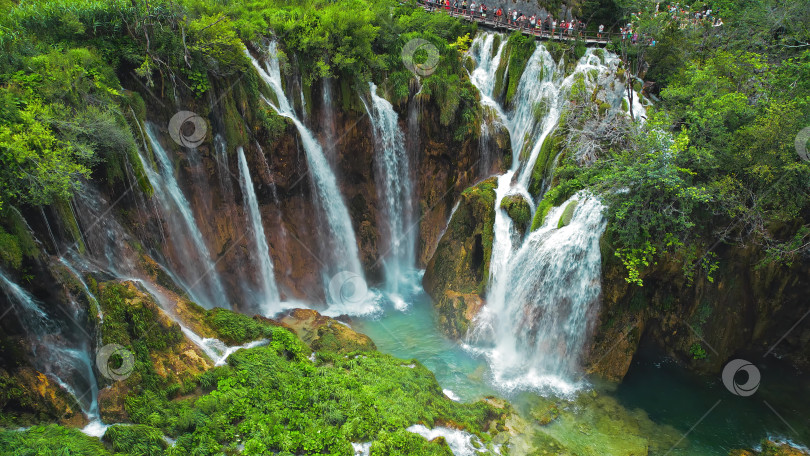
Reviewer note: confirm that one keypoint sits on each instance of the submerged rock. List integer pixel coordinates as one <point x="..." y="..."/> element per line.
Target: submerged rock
<point x="771" y="449"/>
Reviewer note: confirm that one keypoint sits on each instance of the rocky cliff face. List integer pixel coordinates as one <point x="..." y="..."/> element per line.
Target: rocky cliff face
<point x="746" y="310"/>
<point x="457" y="275"/>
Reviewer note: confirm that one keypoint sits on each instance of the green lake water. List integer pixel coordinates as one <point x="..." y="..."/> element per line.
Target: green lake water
<point x="658" y="409"/>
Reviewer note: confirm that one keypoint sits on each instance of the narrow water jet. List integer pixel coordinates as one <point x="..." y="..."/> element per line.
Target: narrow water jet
<point x="269" y="290"/>
<point x="393" y="178"/>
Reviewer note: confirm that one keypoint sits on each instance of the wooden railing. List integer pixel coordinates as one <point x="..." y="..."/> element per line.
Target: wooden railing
<point x="503" y="25"/>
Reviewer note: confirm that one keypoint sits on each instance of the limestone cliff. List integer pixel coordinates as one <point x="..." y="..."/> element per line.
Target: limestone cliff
<point x="457" y="274"/>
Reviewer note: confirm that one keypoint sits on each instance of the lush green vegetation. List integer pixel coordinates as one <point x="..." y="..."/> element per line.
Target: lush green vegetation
<point x="270" y="399"/>
<point x="715" y="160"/>
<point x="518" y="210"/>
<point x="64" y="116"/>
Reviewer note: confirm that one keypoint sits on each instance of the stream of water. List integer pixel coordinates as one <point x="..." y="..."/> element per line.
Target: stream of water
<point x="267" y="278"/>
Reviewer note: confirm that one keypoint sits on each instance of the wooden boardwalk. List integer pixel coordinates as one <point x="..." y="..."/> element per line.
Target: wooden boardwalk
<point x="589" y="38"/>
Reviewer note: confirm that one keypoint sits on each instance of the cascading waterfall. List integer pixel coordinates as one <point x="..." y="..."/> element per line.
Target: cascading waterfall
<point x="270" y="297"/>
<point x="538" y="318"/>
<point x="394" y="186"/>
<point x="199" y="276"/>
<point x="345" y="252"/>
<point x="62" y="352"/>
<point x="542" y="288"/>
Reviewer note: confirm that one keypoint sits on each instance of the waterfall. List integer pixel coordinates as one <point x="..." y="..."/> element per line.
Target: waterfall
<point x="87" y="291"/>
<point x="199" y="275"/>
<point x="61" y="352"/>
<point x="483" y="77"/>
<point x="394" y="186"/>
<point x="538" y="317"/>
<point x="221" y="149"/>
<point x="542" y="288"/>
<point x="329" y="126"/>
<point x="344" y="249"/>
<point x="270" y="296"/>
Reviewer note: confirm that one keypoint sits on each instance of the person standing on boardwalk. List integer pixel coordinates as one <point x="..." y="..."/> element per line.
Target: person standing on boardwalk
<point x="514" y="17"/>
<point x="533" y="23"/>
<point x="472" y="10"/>
<point x="601" y="29"/>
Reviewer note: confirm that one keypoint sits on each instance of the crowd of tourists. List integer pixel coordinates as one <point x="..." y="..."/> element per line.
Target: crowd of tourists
<point x="511" y="18"/>
<point x="677" y="13"/>
<point x="549" y="26"/>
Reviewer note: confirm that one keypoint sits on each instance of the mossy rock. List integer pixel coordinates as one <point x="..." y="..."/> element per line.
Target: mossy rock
<point x="28" y="397"/>
<point x="460" y="263"/>
<point x="518" y="210"/>
<point x="230" y="327"/>
<point x="545" y="416"/>
<point x="323" y="333"/>
<point x="542" y="167"/>
<point x="567" y="215"/>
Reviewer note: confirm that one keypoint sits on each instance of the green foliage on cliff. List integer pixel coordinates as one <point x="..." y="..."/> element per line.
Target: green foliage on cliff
<point x="274" y="399"/>
<point x="715" y="161"/>
<point x="64" y="117"/>
<point x="514" y="57"/>
<point x="518" y="210"/>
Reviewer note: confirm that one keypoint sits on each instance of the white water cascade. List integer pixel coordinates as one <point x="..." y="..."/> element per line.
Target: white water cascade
<point x="536" y="322"/>
<point x="543" y="287"/>
<point x="344" y="248"/>
<point x="270" y="297"/>
<point x="394" y="186"/>
<point x="57" y="349"/>
<point x="197" y="270"/>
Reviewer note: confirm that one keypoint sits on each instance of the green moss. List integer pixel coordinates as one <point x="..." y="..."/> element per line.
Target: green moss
<point x="567" y="215"/>
<point x="600" y="53"/>
<point x="277" y="400"/>
<point x="235" y="328"/>
<point x="403" y="443"/>
<point x="603" y="108"/>
<point x="496" y="44"/>
<point x="65" y="211"/>
<point x="540" y="214"/>
<point x="50" y="440"/>
<point x="637" y="86"/>
<point x="522" y="48"/>
<point x="540" y="110"/>
<point x="10" y="252"/>
<point x="578" y="88"/>
<point x="542" y="166"/>
<point x="501" y="73"/>
<point x="135" y="439"/>
<point x="518" y="210"/>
